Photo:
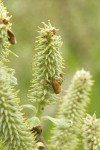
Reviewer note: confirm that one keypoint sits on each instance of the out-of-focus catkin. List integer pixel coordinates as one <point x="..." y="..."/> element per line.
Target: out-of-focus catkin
<point x="73" y="108"/>
<point x="91" y="133"/>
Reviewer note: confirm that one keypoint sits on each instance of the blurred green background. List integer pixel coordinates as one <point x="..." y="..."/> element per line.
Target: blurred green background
<point x="78" y="22"/>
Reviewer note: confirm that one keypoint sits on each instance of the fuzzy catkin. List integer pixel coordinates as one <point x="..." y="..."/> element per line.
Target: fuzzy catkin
<point x="4" y="43"/>
<point x="91" y="133"/>
<point x="73" y="108"/>
<point x="14" y="132"/>
<point x="47" y="65"/>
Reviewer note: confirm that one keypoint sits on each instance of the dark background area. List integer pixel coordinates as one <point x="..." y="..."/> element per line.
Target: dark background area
<point x="78" y="22"/>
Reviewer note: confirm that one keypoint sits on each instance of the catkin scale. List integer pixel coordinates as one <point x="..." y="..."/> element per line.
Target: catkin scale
<point x="4" y="21"/>
<point x="56" y="86"/>
<point x="11" y="37"/>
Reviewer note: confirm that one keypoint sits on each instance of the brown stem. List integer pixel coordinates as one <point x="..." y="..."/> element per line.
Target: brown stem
<point x="39" y="138"/>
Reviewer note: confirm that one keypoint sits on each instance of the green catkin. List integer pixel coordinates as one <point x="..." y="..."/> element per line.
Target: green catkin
<point x="13" y="129"/>
<point x="14" y="132"/>
<point x="4" y="43"/>
<point x="47" y="65"/>
<point x="73" y="108"/>
<point x="91" y="133"/>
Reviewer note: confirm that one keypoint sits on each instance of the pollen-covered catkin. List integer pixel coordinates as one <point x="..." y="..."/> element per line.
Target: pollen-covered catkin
<point x="14" y="132"/>
<point x="13" y="129"/>
<point x="47" y="67"/>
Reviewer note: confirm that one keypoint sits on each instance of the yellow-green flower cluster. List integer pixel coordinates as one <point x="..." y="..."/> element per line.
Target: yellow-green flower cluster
<point x="47" y="67"/>
<point x="91" y="133"/>
<point x="14" y="133"/>
<point x="4" y="26"/>
<point x="13" y="130"/>
<point x="73" y="108"/>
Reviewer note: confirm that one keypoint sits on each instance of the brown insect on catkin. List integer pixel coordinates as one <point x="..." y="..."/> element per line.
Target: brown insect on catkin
<point x="56" y="86"/>
<point x="11" y="37"/>
<point x="4" y="21"/>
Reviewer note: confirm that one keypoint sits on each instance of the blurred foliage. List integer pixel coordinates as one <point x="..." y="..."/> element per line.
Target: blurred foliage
<point x="78" y="22"/>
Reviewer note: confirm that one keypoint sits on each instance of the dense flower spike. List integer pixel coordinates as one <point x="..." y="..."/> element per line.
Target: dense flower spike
<point x="73" y="108"/>
<point x="47" y="67"/>
<point x="13" y="130"/>
<point x="4" y="26"/>
<point x="91" y="133"/>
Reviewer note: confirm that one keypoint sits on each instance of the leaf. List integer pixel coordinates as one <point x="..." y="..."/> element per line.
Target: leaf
<point x="61" y="122"/>
<point x="33" y="122"/>
<point x="31" y="107"/>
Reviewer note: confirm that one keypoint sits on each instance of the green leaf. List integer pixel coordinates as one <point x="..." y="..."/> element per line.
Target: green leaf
<point x="61" y="122"/>
<point x="33" y="122"/>
<point x="31" y="107"/>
